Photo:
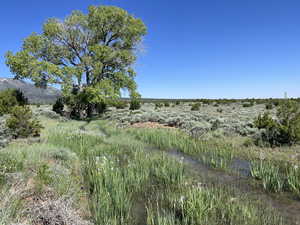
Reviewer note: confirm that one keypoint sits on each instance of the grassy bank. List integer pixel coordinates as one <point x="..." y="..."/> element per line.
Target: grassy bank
<point x="105" y="175"/>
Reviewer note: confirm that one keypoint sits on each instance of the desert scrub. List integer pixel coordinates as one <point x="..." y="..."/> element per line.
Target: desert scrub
<point x="22" y="124"/>
<point x="195" y="107"/>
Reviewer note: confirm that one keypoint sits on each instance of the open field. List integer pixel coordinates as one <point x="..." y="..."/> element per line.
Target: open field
<point x="93" y="172"/>
<point x="81" y="144"/>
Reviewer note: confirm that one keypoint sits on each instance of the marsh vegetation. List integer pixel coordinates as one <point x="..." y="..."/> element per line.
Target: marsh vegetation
<point x="99" y="173"/>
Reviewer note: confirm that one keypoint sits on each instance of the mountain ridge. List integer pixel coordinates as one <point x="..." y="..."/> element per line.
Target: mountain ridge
<point x="34" y="94"/>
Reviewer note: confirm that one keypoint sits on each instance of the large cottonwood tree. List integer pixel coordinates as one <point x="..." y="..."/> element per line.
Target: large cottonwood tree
<point x="93" y="52"/>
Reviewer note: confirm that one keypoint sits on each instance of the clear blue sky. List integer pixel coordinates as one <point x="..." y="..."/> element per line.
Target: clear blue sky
<point x="194" y="48"/>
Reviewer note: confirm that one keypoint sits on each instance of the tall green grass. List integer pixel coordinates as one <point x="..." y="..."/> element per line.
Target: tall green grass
<point x="204" y="206"/>
<point x="214" y="154"/>
<point x="120" y="175"/>
<point x="277" y="176"/>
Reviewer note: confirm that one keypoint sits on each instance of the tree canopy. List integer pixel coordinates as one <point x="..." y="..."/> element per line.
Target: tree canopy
<point x="93" y="52"/>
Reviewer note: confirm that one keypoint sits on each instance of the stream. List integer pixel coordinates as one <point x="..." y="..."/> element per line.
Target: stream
<point x="289" y="208"/>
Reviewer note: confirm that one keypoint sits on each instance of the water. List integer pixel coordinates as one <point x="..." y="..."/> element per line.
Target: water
<point x="240" y="179"/>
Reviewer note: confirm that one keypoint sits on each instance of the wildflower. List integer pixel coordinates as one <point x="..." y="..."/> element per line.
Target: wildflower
<point x="262" y="156"/>
<point x="182" y="199"/>
<point x="232" y="200"/>
<point x="295" y="167"/>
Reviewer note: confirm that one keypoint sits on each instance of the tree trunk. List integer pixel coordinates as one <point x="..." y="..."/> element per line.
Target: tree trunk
<point x="90" y="110"/>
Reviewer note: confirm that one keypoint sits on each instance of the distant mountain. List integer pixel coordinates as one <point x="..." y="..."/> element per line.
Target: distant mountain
<point x="34" y="94"/>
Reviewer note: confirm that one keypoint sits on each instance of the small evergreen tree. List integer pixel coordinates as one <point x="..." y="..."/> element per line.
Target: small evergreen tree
<point x="22" y="124"/>
<point x="285" y="129"/>
<point x="58" y="106"/>
<point x="195" y="107"/>
<point x="135" y="104"/>
<point x="10" y="98"/>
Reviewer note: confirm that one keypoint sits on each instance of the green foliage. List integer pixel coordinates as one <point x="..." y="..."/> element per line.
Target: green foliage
<point x="43" y="177"/>
<point x="58" y="106"/>
<point x="269" y="174"/>
<point x="101" y="107"/>
<point x="284" y="130"/>
<point x="248" y="104"/>
<point x="93" y="51"/>
<point x="219" y="110"/>
<point x="10" y="98"/>
<point x="167" y="104"/>
<point x="195" y="107"/>
<point x="44" y="174"/>
<point x="119" y="104"/>
<point x="158" y="105"/>
<point x="276" y="102"/>
<point x="21" y="99"/>
<point x="177" y="103"/>
<point x="264" y="121"/>
<point x="269" y="106"/>
<point x="8" y="164"/>
<point x="22" y="124"/>
<point x="135" y="104"/>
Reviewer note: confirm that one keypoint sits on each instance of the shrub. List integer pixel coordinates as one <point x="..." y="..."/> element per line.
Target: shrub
<point x="135" y="104"/>
<point x="219" y="110"/>
<point x="269" y="106"/>
<point x="58" y="106"/>
<point x="264" y="121"/>
<point x="21" y="123"/>
<point x="10" y="98"/>
<point x="21" y="99"/>
<point x="8" y="164"/>
<point x="276" y="103"/>
<point x="119" y="104"/>
<point x="177" y="103"/>
<point x="167" y="104"/>
<point x="248" y="142"/>
<point x="195" y="107"/>
<point x="284" y="130"/>
<point x="248" y="104"/>
<point x="158" y="105"/>
<point x="44" y="174"/>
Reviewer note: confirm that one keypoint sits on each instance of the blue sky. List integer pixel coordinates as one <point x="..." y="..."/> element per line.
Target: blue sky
<point x="194" y="48"/>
